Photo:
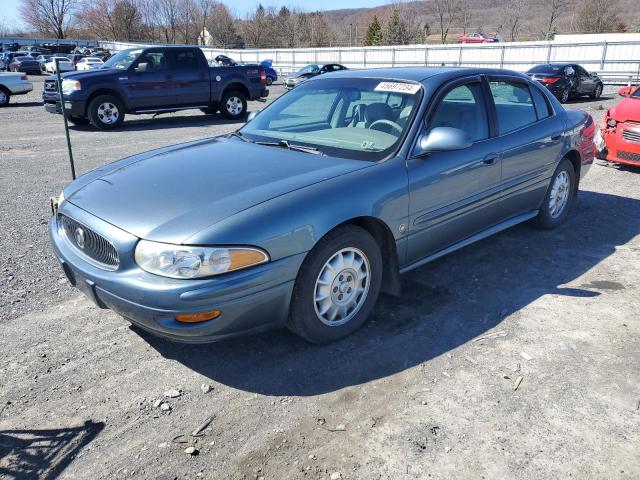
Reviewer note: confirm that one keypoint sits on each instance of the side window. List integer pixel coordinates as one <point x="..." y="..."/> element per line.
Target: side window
<point x="542" y="106"/>
<point x="514" y="105"/>
<point x="186" y="60"/>
<point x="155" y="61"/>
<point x="463" y="108"/>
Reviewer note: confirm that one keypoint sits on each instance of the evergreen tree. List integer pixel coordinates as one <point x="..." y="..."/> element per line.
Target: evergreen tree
<point x="395" y="33"/>
<point x="374" y="33"/>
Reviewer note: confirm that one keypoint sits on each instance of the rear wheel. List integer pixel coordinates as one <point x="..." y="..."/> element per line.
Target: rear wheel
<point x="337" y="286"/>
<point x="269" y="80"/>
<point x="233" y="105"/>
<point x="5" y="96"/>
<point x="559" y="197"/>
<point x="106" y="112"/>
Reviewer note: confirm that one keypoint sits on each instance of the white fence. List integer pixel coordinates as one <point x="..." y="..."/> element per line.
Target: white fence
<point x="617" y="62"/>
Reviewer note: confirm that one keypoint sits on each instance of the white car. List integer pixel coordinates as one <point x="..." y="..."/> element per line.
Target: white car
<point x="89" y="63"/>
<point x="13" y="84"/>
<point x="65" y="65"/>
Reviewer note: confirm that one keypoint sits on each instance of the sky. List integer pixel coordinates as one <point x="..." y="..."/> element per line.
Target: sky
<point x="9" y="8"/>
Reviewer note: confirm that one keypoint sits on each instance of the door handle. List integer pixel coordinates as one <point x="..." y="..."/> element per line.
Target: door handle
<point x="490" y="159"/>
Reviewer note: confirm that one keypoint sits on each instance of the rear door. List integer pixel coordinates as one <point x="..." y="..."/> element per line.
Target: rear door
<point x="587" y="85"/>
<point x="455" y="194"/>
<point x="149" y="83"/>
<point x="530" y="133"/>
<point x="191" y="77"/>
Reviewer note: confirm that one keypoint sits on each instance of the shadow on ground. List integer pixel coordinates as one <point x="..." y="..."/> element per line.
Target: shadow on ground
<point x="444" y="304"/>
<point x="169" y="120"/>
<point x="43" y="454"/>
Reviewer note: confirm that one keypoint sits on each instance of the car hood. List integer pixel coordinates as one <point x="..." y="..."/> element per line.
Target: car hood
<point x="171" y="194"/>
<point x="98" y="72"/>
<point x="626" y="109"/>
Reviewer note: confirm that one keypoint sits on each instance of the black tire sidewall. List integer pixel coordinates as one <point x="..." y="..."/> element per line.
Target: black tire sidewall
<point x="269" y="80"/>
<point x="223" y="104"/>
<point x="8" y="98"/>
<point x="93" y="112"/>
<point x="544" y="219"/>
<point x="562" y="96"/>
<point x="303" y="319"/>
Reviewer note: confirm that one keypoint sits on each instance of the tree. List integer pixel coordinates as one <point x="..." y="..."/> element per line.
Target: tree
<point x="374" y="33"/>
<point x="513" y="12"/>
<point x="445" y="13"/>
<point x="599" y="16"/>
<point x="221" y="28"/>
<point x="254" y="28"/>
<point x="205" y="7"/>
<point x="395" y="32"/>
<point x="555" y="9"/>
<point x="49" y="17"/>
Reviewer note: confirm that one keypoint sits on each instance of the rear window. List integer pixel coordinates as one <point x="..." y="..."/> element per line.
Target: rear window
<point x="546" y="69"/>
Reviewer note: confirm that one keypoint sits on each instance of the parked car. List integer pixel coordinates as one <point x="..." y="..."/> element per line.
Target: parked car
<point x="477" y="38"/>
<point x="152" y="80"/>
<point x="89" y="63"/>
<point x="42" y="60"/>
<point x="25" y="64"/>
<point x="618" y="139"/>
<point x="272" y="75"/>
<point x="7" y="58"/>
<point x="13" y="84"/>
<point x="64" y="63"/>
<point x="320" y="201"/>
<point x="309" y="71"/>
<point x="567" y="80"/>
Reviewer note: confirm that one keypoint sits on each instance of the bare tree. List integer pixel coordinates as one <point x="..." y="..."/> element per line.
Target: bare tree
<point x="445" y="13"/>
<point x="205" y="7"/>
<point x="50" y="17"/>
<point x="167" y="14"/>
<point x="221" y="28"/>
<point x="599" y="16"/>
<point x="513" y="13"/>
<point x="555" y="9"/>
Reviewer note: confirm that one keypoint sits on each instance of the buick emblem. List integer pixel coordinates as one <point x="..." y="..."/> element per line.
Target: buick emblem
<point x="79" y="236"/>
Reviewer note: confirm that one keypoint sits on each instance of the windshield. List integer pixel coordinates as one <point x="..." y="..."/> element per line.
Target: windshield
<point x="123" y="59"/>
<point x="363" y="119"/>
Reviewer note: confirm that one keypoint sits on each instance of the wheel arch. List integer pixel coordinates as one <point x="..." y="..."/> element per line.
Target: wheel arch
<point x="241" y="87"/>
<point x="574" y="157"/>
<point x="104" y="91"/>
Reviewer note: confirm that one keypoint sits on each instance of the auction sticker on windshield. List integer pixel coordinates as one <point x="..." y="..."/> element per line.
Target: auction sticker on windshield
<point x="397" y="87"/>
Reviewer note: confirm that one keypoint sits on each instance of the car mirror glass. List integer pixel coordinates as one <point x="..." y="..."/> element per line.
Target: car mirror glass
<point x="443" y="139"/>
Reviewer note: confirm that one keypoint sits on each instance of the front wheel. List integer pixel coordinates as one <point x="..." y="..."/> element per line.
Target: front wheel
<point x="597" y="92"/>
<point x="337" y="286"/>
<point x="559" y="197"/>
<point x="233" y="105"/>
<point x="106" y="112"/>
<point x="564" y="96"/>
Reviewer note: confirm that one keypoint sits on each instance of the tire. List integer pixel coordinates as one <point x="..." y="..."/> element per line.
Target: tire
<point x="74" y="120"/>
<point x="269" y="80"/>
<point x="548" y="217"/>
<point x="597" y="92"/>
<point x="342" y="245"/>
<point x="565" y="95"/>
<point x="106" y="112"/>
<point x="233" y="105"/>
<point x="5" y="97"/>
<point x="210" y="110"/>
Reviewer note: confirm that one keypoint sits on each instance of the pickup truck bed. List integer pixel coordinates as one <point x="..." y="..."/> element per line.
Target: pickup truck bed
<point x="155" y="80"/>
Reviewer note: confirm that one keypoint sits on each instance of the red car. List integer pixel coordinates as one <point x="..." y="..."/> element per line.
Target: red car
<point x="477" y="38"/>
<point x="618" y="139"/>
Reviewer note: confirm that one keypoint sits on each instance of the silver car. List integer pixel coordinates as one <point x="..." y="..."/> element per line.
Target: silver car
<point x="13" y="84"/>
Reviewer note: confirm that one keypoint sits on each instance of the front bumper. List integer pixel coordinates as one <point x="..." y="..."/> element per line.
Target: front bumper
<point x="75" y="108"/>
<point x="251" y="300"/>
<point x="614" y="147"/>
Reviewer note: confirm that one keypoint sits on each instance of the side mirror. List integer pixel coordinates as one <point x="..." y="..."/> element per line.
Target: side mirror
<point x="252" y="115"/>
<point x="142" y="67"/>
<point x="443" y="139"/>
<point x="625" y="91"/>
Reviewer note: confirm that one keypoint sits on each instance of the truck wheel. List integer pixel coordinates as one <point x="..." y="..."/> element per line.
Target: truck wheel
<point x="233" y="105"/>
<point x="106" y="112"/>
<point x="4" y="97"/>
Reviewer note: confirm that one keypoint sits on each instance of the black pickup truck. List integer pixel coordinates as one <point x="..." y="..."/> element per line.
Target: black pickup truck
<point x="154" y="80"/>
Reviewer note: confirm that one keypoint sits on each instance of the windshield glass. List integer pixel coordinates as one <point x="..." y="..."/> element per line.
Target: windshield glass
<point x="123" y="59"/>
<point x="357" y="118"/>
<point x="636" y="94"/>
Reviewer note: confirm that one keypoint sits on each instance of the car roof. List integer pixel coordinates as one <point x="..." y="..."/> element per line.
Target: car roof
<point x="419" y="74"/>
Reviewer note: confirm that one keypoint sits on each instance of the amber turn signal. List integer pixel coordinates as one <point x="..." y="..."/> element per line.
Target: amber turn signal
<point x="198" y="317"/>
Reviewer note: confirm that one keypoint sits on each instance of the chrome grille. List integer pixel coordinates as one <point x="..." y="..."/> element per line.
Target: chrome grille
<point x="631" y="135"/>
<point x="630" y="156"/>
<point x="89" y="243"/>
<point x="50" y="85"/>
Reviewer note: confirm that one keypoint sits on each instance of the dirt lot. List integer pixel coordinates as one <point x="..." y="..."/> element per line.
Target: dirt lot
<point x="516" y="357"/>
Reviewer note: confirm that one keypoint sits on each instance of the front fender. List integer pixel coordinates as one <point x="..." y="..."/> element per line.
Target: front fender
<point x="293" y="223"/>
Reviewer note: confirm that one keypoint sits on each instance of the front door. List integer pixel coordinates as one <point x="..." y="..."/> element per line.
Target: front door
<point x="454" y="195"/>
<point x="149" y="83"/>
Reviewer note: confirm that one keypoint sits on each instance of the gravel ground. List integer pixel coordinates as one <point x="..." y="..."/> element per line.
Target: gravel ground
<point x="516" y="357"/>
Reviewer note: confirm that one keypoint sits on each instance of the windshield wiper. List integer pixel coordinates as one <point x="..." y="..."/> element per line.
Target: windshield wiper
<point x="240" y="136"/>
<point x="292" y="146"/>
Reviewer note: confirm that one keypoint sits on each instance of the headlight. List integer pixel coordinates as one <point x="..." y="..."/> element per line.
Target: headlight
<point x="61" y="198"/>
<point x="69" y="86"/>
<point x="184" y="261"/>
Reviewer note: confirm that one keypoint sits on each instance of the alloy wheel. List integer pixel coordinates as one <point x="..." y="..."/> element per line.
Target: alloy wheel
<point x="234" y="106"/>
<point x="108" y="113"/>
<point x="342" y="287"/>
<point x="559" y="196"/>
